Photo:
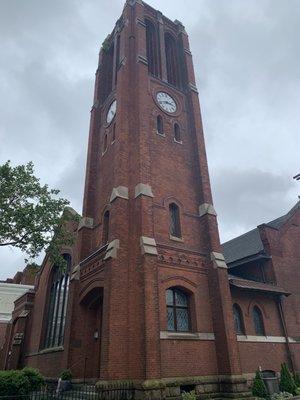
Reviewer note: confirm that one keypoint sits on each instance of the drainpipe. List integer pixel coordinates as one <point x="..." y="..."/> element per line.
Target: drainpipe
<point x="283" y="322"/>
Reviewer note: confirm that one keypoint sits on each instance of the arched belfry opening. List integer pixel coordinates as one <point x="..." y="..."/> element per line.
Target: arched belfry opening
<point x="172" y="60"/>
<point x="152" y="47"/>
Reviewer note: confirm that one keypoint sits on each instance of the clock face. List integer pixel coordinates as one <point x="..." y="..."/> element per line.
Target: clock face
<point x="111" y="112"/>
<point x="166" y="102"/>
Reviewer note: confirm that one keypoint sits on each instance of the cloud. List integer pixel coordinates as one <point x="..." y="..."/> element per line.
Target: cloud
<point x="247" y="64"/>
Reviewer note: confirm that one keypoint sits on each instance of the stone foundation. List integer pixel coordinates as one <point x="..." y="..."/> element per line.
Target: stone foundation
<point x="216" y="387"/>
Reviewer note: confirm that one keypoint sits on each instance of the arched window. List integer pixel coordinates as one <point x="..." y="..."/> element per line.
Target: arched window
<point x="57" y="304"/>
<point x="177" y="134"/>
<point x="175" y="228"/>
<point x="117" y="58"/>
<point x="106" y="77"/>
<point x="105" y="230"/>
<point x="152" y="49"/>
<point x="160" y="125"/>
<point x="114" y="133"/>
<point x="173" y="74"/>
<point x="178" y="318"/>
<point x="105" y="143"/>
<point x="238" y="320"/>
<point x="258" y="321"/>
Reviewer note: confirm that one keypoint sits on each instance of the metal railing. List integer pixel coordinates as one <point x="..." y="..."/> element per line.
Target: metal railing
<point x="87" y="392"/>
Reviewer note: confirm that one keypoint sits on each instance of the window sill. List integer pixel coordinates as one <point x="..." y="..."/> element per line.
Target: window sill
<point x="104" y="152"/>
<point x="176" y="239"/>
<point x="160" y="134"/>
<point x="46" y="351"/>
<point x="186" y="335"/>
<point x="177" y="141"/>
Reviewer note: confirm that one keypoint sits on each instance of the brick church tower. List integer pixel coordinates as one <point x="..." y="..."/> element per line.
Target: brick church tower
<point x="152" y="284"/>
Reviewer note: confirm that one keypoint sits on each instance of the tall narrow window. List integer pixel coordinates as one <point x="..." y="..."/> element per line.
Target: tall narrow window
<point x="152" y="48"/>
<point x="105" y="143"/>
<point x="117" y="58"/>
<point x="114" y="133"/>
<point x="105" y="231"/>
<point x="106" y="77"/>
<point x="57" y="305"/>
<point x="173" y="74"/>
<point x="177" y="134"/>
<point x="178" y="318"/>
<point x="238" y="320"/>
<point x="160" y="125"/>
<point x="175" y="228"/>
<point x="258" y="321"/>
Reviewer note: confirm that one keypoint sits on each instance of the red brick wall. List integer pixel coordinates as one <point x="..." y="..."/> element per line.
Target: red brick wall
<point x="3" y="326"/>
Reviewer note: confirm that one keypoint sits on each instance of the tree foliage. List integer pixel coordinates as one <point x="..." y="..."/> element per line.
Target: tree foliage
<point x="32" y="216"/>
<point x="287" y="383"/>
<point x="258" y="387"/>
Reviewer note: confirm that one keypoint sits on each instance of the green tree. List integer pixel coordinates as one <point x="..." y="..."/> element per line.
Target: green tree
<point x="287" y="383"/>
<point x="32" y="216"/>
<point x="258" y="387"/>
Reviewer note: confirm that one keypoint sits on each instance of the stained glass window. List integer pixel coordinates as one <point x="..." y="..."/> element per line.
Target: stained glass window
<point x="258" y="321"/>
<point x="177" y="310"/>
<point x="238" y="320"/>
<point x="57" y="305"/>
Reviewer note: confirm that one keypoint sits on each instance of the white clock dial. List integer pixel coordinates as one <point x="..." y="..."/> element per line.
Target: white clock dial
<point x="111" y="112"/>
<point x="166" y="102"/>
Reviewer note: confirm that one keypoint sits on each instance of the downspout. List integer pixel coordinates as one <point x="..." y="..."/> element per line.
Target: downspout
<point x="283" y="322"/>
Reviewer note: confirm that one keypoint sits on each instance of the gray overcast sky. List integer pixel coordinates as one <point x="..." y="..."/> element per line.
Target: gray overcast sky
<point x="247" y="61"/>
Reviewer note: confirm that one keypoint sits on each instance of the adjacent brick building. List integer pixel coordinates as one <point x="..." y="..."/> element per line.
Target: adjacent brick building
<point x="146" y="299"/>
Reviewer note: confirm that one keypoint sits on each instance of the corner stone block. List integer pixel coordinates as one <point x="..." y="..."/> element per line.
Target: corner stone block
<point x="218" y="260"/>
<point x="86" y="222"/>
<point x="119" y="192"/>
<point x="144" y="190"/>
<point x="148" y="246"/>
<point x="75" y="274"/>
<point x="206" y="208"/>
<point x="112" y="249"/>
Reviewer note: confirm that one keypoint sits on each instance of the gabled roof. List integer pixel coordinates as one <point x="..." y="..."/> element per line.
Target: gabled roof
<point x="250" y="244"/>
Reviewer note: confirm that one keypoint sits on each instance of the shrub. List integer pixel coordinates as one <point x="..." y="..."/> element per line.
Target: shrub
<point x="35" y="378"/>
<point x="297" y="391"/>
<point x="287" y="383"/>
<point x="258" y="387"/>
<point x="66" y="375"/>
<point x="14" y="383"/>
<point x="297" y="380"/>
<point x="189" y="395"/>
<point x="281" y="396"/>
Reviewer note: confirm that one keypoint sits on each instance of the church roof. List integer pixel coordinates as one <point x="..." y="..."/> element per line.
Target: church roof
<point x="250" y="244"/>
<point x="247" y="284"/>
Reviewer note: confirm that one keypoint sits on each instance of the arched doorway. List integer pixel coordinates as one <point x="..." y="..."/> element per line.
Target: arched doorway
<point x="92" y="304"/>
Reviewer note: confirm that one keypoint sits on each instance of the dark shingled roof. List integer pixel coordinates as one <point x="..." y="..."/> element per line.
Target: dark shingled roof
<point x="250" y="243"/>
<point x="243" y="246"/>
<point x="247" y="284"/>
